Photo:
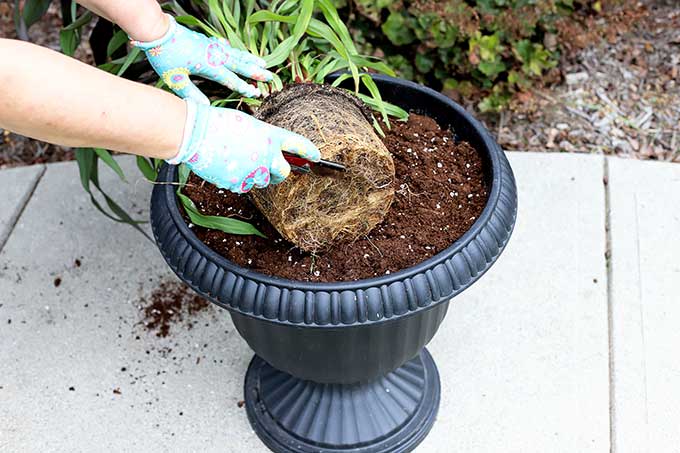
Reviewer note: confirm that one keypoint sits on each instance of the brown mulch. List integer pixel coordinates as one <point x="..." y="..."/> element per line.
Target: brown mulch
<point x="619" y="95"/>
<point x="17" y="150"/>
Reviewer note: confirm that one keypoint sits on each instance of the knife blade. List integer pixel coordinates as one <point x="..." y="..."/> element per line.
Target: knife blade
<point x="322" y="168"/>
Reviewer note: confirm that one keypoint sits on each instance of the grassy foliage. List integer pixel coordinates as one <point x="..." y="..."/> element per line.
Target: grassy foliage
<point x="301" y="41"/>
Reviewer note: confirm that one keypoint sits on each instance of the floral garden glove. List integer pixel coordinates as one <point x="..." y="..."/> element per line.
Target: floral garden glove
<point x="235" y="151"/>
<point x="182" y="52"/>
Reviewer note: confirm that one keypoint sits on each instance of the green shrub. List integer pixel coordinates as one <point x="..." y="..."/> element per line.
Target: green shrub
<point x="492" y="48"/>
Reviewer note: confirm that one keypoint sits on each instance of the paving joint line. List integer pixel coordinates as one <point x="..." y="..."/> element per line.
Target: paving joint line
<point x="28" y="198"/>
<point x="610" y="313"/>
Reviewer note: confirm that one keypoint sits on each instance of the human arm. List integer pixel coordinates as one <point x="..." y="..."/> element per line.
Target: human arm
<point x="142" y="20"/>
<point x="64" y="101"/>
<point x="58" y="99"/>
<point x="175" y="52"/>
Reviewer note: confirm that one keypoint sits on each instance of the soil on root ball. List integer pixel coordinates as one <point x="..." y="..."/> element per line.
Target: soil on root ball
<point x="440" y="191"/>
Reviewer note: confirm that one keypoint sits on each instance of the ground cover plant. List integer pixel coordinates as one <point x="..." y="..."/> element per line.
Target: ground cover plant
<point x="489" y="49"/>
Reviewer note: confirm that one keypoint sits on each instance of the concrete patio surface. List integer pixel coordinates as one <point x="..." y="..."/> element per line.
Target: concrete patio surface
<point x="557" y="349"/>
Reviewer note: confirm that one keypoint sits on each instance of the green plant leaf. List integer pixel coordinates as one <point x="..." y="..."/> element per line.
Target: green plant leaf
<point x="228" y="23"/>
<point x="68" y="41"/>
<point x="80" y="22"/>
<point x="337" y="82"/>
<point x="191" y="21"/>
<point x="105" y="156"/>
<point x="69" y="36"/>
<point x="229" y="16"/>
<point x="147" y="169"/>
<point x="397" y="31"/>
<point x="490" y="47"/>
<point x="183" y="173"/>
<point x="85" y="158"/>
<point x="320" y="30"/>
<point x="424" y="63"/>
<point x="285" y="6"/>
<point x="492" y="69"/>
<point x="373" y="89"/>
<point x="132" y="56"/>
<point x="89" y="175"/>
<point x="265" y="37"/>
<point x="392" y="110"/>
<point x="523" y="49"/>
<point x="366" y="62"/>
<point x="268" y="16"/>
<point x="19" y="23"/>
<point x="284" y="49"/>
<point x="325" y="67"/>
<point x="119" y="39"/>
<point x="331" y="15"/>
<point x="34" y="10"/>
<point x="225" y="224"/>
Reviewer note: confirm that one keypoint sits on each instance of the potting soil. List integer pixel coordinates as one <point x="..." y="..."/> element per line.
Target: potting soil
<point x="441" y="190"/>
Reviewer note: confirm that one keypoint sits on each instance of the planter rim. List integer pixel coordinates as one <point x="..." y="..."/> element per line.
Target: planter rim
<point x="353" y="303"/>
<point x="387" y="279"/>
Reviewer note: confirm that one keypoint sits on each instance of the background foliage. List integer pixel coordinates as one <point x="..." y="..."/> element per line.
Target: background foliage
<point x="484" y="48"/>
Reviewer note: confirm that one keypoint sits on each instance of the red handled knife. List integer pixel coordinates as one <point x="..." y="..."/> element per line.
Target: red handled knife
<point x="322" y="168"/>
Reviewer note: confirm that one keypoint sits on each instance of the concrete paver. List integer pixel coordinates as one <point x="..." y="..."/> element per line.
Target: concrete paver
<point x="17" y="186"/>
<point x="83" y="334"/>
<point x="645" y="282"/>
<point x="523" y="355"/>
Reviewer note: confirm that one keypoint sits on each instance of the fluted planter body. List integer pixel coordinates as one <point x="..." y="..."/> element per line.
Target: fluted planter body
<point x="347" y="334"/>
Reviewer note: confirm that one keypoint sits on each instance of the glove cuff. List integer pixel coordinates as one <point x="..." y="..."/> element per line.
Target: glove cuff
<point x="194" y="131"/>
<point x="160" y="41"/>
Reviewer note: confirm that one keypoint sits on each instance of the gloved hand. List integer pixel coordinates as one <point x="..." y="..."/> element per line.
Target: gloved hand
<point x="235" y="151"/>
<point x="182" y="52"/>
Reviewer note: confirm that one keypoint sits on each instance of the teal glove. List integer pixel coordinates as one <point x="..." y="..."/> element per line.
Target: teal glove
<point x="235" y="151"/>
<point x="182" y="52"/>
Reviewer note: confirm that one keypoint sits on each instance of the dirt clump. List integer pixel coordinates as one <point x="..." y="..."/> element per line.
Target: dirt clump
<point x="313" y="212"/>
<point x="171" y="303"/>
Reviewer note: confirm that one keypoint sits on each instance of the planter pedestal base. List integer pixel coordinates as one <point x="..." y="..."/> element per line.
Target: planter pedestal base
<point x="391" y="414"/>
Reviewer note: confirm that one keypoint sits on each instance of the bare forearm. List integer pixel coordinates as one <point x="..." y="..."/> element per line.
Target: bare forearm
<point x="142" y="20"/>
<point x="69" y="103"/>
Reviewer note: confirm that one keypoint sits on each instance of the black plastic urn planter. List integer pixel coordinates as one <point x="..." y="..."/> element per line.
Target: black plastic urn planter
<point x="341" y="366"/>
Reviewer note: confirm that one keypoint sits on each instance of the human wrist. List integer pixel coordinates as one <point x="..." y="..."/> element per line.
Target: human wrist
<point x="194" y="129"/>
